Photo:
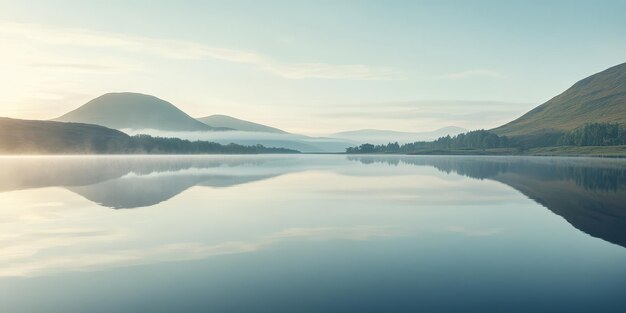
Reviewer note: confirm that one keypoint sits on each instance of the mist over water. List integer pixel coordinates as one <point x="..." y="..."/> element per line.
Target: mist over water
<point x="289" y="141"/>
<point x="312" y="233"/>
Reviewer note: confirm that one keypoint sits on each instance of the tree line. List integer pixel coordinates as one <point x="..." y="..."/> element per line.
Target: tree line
<point x="160" y="145"/>
<point x="592" y="134"/>
<point x="477" y="139"/>
<point x="145" y="144"/>
<point x="595" y="134"/>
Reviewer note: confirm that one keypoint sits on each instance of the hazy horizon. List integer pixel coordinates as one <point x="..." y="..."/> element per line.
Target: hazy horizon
<point x="311" y="69"/>
<point x="368" y="156"/>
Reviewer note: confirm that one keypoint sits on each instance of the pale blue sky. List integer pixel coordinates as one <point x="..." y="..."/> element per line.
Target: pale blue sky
<point x="314" y="67"/>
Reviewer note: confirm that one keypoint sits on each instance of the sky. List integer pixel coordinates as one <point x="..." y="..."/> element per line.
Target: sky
<point x="311" y="67"/>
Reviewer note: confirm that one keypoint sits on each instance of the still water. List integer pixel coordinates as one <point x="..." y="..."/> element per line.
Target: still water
<point x="312" y="233"/>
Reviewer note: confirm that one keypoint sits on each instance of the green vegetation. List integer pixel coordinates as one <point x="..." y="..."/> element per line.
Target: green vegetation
<point x="478" y="139"/>
<point x="600" y="98"/>
<point x="47" y="137"/>
<point x="592" y="137"/>
<point x="158" y="145"/>
<point x="590" y="114"/>
<point x="602" y="151"/>
<point x="595" y="134"/>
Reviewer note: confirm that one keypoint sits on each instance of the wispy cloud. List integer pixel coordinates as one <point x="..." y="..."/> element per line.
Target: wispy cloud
<point x="469" y="232"/>
<point x="82" y="67"/>
<point x="26" y="258"/>
<point x="476" y="73"/>
<point x="178" y="49"/>
<point x="438" y="113"/>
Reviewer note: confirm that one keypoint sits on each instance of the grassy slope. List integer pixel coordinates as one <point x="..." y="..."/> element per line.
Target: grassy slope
<point x="604" y="151"/>
<point x="597" y="98"/>
<point x="612" y="151"/>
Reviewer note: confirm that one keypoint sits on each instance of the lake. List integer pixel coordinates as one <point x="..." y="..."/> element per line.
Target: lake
<point x="312" y="233"/>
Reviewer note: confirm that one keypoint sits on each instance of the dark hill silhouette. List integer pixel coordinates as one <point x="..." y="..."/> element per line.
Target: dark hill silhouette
<point x="29" y="136"/>
<point x="49" y="137"/>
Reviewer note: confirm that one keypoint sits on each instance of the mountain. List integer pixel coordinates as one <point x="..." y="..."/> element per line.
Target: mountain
<point x="588" y="193"/>
<point x="134" y="111"/>
<point x="237" y="124"/>
<point x="106" y="181"/>
<point x="376" y="136"/>
<point x="27" y="136"/>
<point x="49" y="137"/>
<point x="248" y="138"/>
<point x="598" y="98"/>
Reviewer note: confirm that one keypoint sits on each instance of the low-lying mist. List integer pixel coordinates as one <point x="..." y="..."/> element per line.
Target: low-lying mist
<point x="289" y="141"/>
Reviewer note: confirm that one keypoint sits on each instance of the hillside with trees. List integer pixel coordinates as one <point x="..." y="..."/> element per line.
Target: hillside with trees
<point x="599" y="98"/>
<point x="591" y="134"/>
<point x="478" y="139"/>
<point x="48" y="137"/>
<point x="591" y="113"/>
<point x="595" y="134"/>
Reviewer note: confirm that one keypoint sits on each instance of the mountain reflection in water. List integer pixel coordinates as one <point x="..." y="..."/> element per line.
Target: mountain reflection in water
<point x="589" y="193"/>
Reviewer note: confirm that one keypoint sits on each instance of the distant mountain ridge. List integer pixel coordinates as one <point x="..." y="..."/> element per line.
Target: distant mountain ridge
<point x="285" y="140"/>
<point x="226" y="121"/>
<point x="136" y="113"/>
<point x="377" y="136"/>
<point x="598" y="98"/>
<point x="127" y="110"/>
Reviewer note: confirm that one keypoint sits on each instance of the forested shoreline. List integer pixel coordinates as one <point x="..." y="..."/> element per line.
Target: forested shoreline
<point x="160" y="145"/>
<point x="139" y="144"/>
<point x="591" y="134"/>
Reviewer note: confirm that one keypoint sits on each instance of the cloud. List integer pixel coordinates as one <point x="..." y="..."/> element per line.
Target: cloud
<point x="178" y="49"/>
<point x="86" y="67"/>
<point x="437" y="114"/>
<point x="473" y="232"/>
<point x="476" y="73"/>
<point x="16" y="248"/>
<point x="16" y="262"/>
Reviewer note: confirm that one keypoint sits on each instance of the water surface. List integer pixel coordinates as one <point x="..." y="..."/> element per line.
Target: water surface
<point x="312" y="233"/>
